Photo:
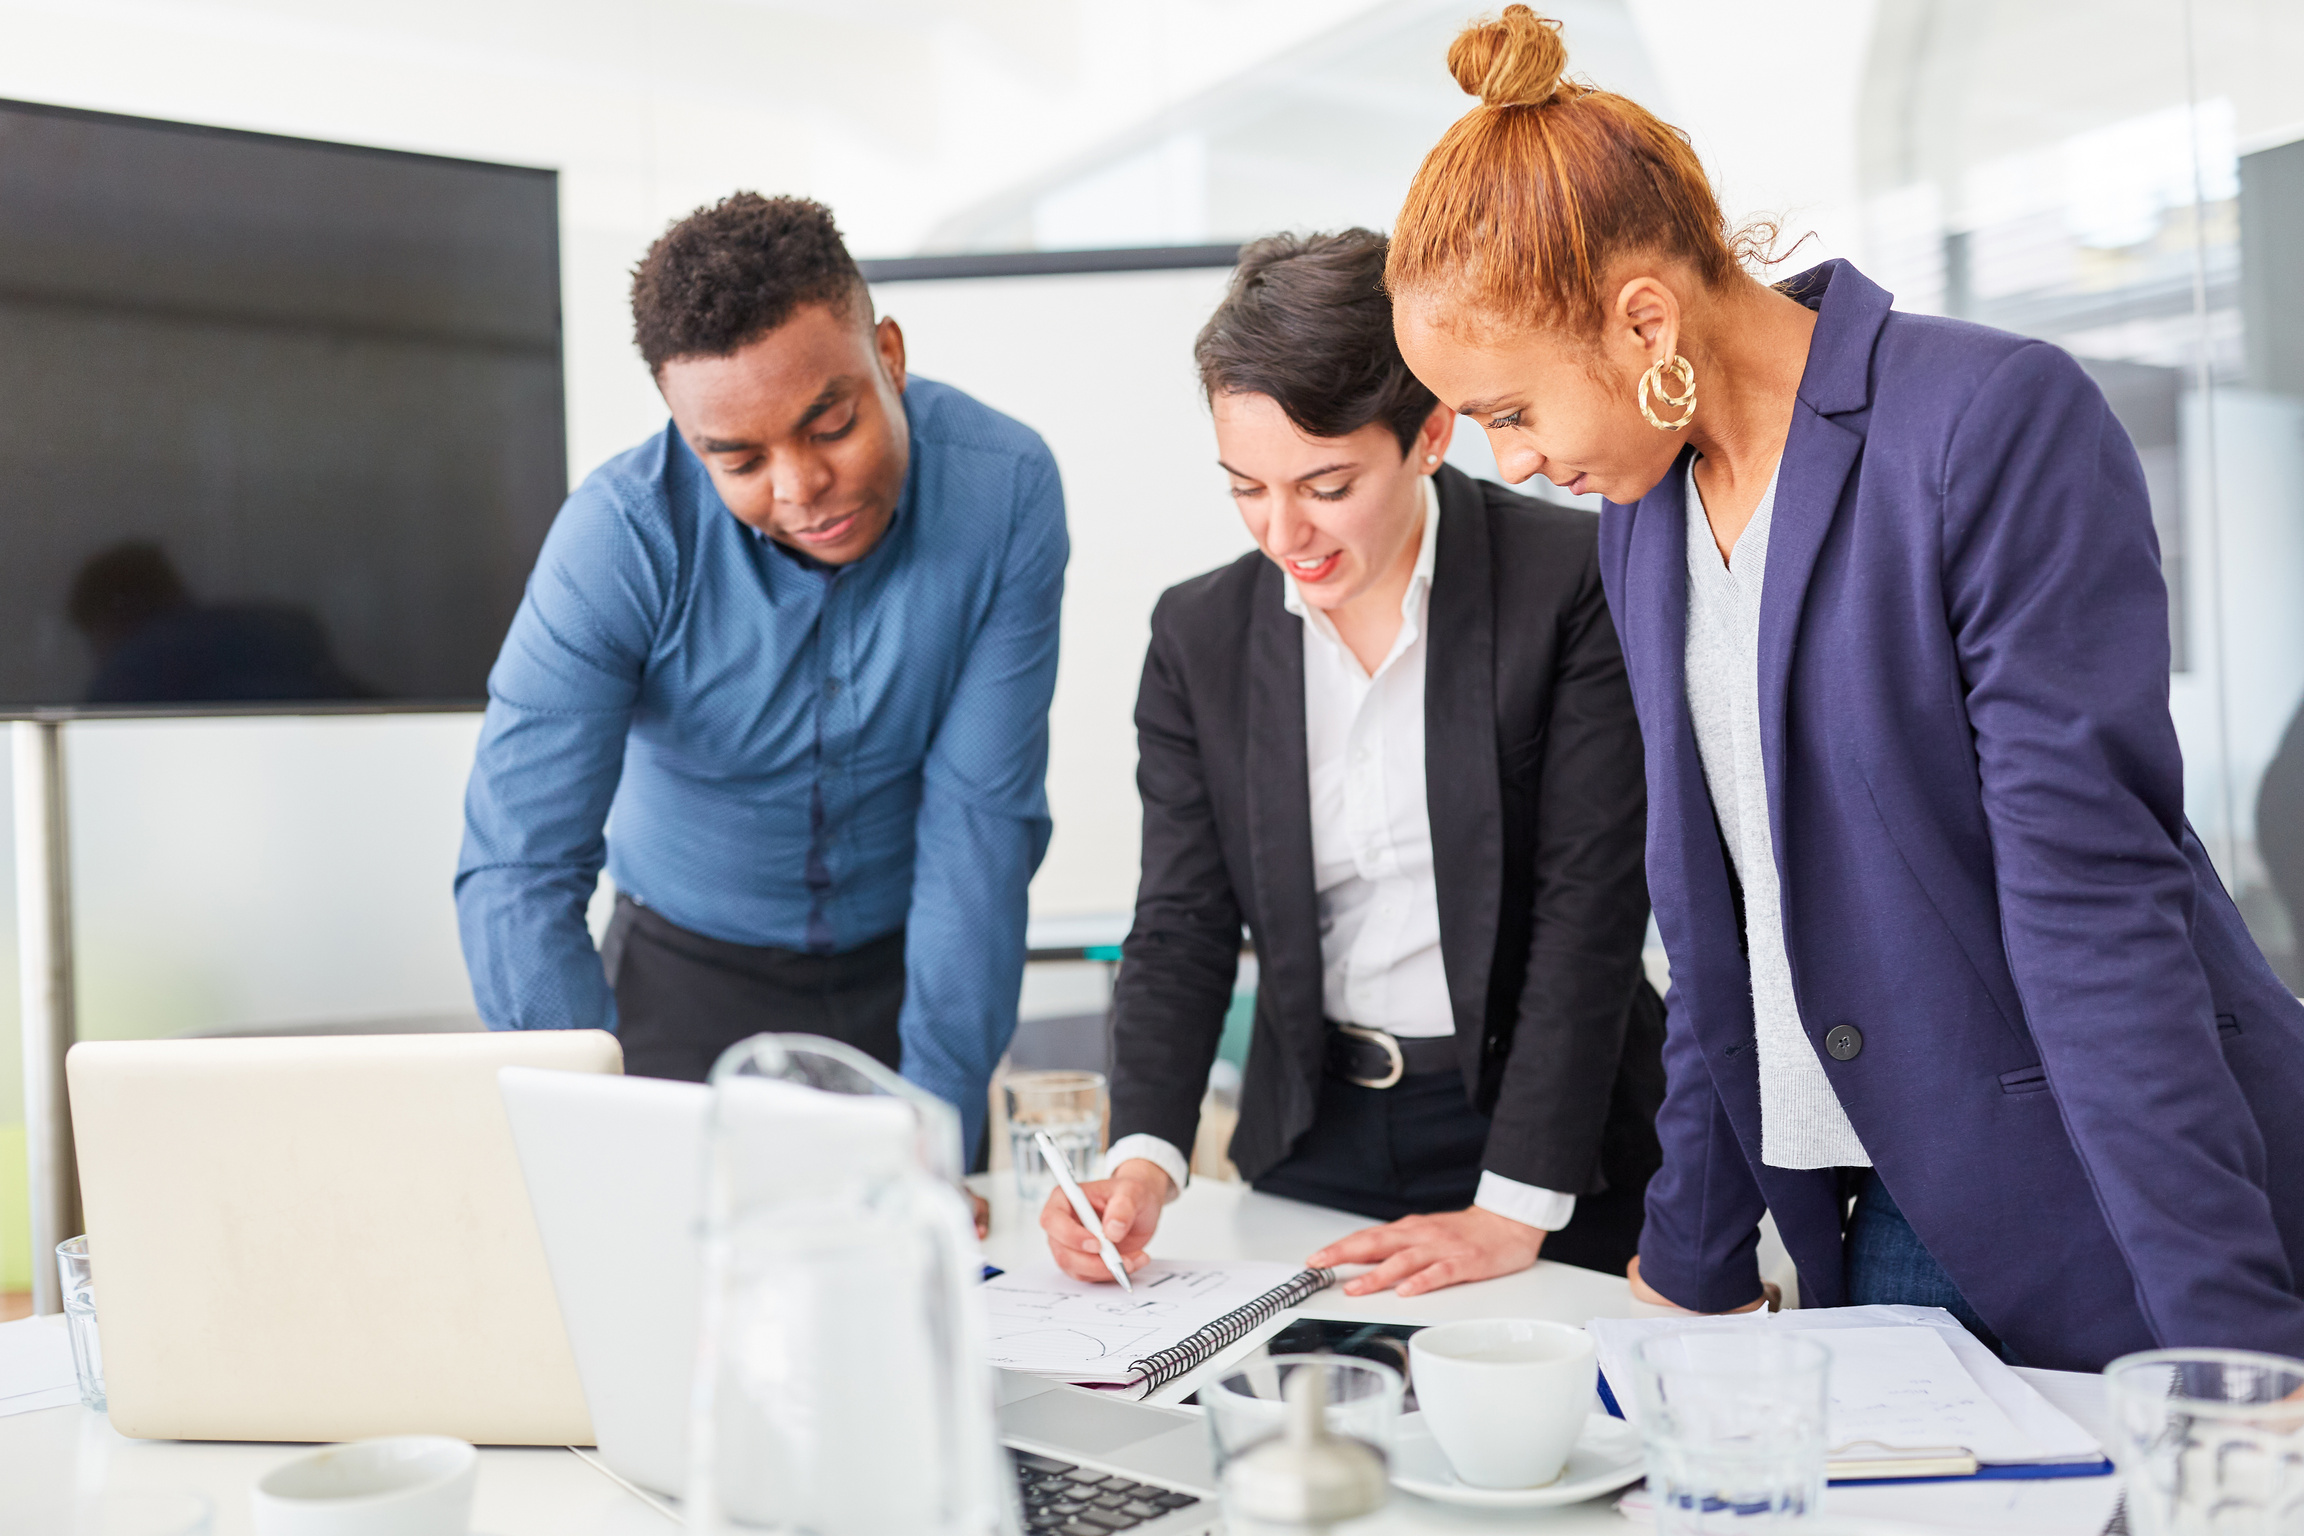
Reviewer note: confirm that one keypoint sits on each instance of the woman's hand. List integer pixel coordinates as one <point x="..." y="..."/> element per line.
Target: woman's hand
<point x="1771" y="1296"/>
<point x="983" y="1209"/>
<point x="1425" y="1253"/>
<point x="1129" y="1202"/>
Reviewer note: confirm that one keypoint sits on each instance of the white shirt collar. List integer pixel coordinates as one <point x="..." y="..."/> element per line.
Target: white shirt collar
<point x="1427" y="546"/>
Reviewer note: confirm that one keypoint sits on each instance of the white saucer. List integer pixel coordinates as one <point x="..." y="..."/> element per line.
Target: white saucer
<point x="1607" y="1456"/>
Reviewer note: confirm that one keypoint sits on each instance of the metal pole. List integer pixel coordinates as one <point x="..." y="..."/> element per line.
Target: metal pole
<point x="44" y="961"/>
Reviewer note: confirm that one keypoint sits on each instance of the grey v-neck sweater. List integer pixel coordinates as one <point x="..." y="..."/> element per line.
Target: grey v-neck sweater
<point x="1801" y="1122"/>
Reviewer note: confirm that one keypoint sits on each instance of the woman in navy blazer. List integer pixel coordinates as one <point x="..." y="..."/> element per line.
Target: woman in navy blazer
<point x="2065" y="1091"/>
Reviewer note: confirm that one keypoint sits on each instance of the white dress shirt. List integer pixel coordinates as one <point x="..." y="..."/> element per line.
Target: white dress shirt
<point x="1379" y="904"/>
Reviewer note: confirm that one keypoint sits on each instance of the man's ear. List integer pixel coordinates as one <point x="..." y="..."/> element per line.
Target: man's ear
<point x="888" y="343"/>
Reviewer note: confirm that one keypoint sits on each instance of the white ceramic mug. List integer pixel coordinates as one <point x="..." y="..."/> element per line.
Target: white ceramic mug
<point x="1505" y="1397"/>
<point x="406" y="1485"/>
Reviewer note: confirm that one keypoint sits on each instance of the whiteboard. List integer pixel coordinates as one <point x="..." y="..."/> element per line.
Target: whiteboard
<point x="1101" y="366"/>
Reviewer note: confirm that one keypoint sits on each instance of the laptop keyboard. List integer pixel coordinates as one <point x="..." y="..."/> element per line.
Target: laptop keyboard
<point x="1071" y="1500"/>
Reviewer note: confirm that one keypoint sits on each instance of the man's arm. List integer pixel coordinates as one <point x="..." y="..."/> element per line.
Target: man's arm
<point x="551" y="751"/>
<point x="2059" y="612"/>
<point x="984" y="821"/>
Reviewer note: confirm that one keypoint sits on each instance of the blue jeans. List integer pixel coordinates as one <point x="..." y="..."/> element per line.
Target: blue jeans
<point x="1884" y="1263"/>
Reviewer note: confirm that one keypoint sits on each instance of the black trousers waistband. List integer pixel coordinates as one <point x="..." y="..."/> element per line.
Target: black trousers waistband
<point x="682" y="998"/>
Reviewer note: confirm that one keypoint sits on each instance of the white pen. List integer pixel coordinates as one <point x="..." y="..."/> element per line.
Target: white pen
<point x="1082" y="1209"/>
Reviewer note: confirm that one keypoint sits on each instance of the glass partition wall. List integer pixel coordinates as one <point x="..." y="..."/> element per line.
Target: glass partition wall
<point x="2127" y="181"/>
<point x="2124" y="178"/>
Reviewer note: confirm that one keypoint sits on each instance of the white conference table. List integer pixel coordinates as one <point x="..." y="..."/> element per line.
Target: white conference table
<point x="59" y="1465"/>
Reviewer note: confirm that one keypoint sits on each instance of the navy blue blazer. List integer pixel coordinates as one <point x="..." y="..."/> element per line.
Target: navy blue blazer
<point x="2078" y="1077"/>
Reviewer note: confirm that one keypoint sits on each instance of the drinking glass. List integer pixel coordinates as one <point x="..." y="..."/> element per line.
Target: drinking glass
<point x="1247" y="1405"/>
<point x="80" y="1319"/>
<point x="1070" y="1107"/>
<point x="2210" y="1441"/>
<point x="1733" y="1422"/>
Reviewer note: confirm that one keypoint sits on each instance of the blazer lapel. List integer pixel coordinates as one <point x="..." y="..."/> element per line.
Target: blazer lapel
<point x="1819" y="455"/>
<point x="1654" y="625"/>
<point x="1280" y="820"/>
<point x="1462" y="798"/>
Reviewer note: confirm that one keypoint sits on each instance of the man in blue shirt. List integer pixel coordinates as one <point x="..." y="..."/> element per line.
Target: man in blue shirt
<point x="786" y="667"/>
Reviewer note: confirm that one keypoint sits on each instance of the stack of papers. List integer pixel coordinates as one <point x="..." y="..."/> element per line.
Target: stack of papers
<point x="1913" y="1394"/>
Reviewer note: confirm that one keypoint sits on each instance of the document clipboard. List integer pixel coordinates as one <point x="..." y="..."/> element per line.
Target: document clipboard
<point x="1927" y="1464"/>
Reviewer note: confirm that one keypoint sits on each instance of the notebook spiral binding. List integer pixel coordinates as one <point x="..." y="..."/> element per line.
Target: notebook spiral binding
<point x="1166" y="1365"/>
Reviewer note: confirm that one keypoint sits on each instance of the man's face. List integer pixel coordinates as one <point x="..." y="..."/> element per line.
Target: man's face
<point x="803" y="430"/>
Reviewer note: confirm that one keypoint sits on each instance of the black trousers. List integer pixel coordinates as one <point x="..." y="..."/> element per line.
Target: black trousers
<point x="682" y="999"/>
<point x="1413" y="1149"/>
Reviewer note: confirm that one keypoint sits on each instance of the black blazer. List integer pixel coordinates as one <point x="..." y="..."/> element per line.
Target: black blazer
<point x="1533" y="777"/>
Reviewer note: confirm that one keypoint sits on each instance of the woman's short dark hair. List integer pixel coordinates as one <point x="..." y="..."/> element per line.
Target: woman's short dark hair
<point x="1307" y="322"/>
<point x="727" y="275"/>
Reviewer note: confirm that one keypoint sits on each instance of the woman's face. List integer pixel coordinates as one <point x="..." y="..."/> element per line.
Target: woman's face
<point x="1339" y="514"/>
<point x="1553" y="405"/>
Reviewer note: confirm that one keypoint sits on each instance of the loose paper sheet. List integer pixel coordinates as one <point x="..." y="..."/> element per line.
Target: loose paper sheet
<point x="1046" y="1322"/>
<point x="36" y="1366"/>
<point x="2046" y="1433"/>
<point x="1901" y="1388"/>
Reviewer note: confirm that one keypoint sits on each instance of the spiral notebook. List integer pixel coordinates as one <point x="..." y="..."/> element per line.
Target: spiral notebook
<point x="1178" y="1316"/>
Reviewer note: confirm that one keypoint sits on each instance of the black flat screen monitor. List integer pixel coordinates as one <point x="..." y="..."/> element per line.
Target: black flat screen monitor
<point x="281" y="422"/>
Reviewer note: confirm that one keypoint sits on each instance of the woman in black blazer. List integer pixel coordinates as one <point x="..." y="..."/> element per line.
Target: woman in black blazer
<point x="1397" y="744"/>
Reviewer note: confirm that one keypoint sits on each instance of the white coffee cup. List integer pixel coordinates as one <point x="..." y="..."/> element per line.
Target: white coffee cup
<point x="406" y="1485"/>
<point x="1506" y="1397"/>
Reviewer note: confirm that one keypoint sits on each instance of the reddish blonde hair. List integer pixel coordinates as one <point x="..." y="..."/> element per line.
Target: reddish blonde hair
<point x="1521" y="208"/>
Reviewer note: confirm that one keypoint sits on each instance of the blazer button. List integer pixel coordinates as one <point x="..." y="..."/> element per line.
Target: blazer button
<point x="1844" y="1041"/>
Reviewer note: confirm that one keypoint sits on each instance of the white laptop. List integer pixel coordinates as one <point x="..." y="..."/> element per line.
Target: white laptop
<point x="615" y="1167"/>
<point x="323" y="1238"/>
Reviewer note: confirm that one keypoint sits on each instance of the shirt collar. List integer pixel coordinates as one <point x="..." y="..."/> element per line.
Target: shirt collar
<point x="1427" y="548"/>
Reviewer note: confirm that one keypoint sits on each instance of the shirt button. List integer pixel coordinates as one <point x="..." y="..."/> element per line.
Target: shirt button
<point x="831" y="687"/>
<point x="1844" y="1041"/>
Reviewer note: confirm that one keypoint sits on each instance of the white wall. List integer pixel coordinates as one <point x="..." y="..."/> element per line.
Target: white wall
<point x="1101" y="366"/>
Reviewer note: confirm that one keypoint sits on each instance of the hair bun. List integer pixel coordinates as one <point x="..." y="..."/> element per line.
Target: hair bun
<point x="1514" y="61"/>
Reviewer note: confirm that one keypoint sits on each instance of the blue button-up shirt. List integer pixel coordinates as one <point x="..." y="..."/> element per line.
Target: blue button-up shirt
<point x="772" y="753"/>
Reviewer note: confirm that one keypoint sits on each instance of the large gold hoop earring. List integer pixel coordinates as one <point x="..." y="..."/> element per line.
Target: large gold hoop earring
<point x="1684" y="401"/>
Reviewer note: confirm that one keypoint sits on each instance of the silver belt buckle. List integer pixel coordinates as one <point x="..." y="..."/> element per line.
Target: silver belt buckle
<point x="1391" y="1049"/>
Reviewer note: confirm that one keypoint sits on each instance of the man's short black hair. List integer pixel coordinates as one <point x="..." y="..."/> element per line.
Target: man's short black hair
<point x="1307" y="322"/>
<point x="731" y="273"/>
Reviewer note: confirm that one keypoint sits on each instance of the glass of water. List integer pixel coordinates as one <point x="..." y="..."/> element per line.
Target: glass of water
<point x="1248" y="1405"/>
<point x="1070" y="1107"/>
<point x="80" y="1319"/>
<point x="2210" y="1441"/>
<point x="1733" y="1421"/>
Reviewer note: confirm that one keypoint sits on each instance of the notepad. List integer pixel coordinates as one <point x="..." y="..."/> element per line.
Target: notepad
<point x="1180" y="1315"/>
<point x="1912" y="1395"/>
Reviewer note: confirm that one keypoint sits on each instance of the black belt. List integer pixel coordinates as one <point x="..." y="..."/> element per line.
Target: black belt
<point x="1370" y="1058"/>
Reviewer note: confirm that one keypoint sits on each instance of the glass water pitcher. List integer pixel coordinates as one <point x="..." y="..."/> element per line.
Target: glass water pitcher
<point x="842" y="1388"/>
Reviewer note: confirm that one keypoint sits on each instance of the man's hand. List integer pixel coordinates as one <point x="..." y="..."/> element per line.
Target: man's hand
<point x="1771" y="1296"/>
<point x="1424" y="1253"/>
<point x="983" y="1215"/>
<point x="1129" y="1202"/>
